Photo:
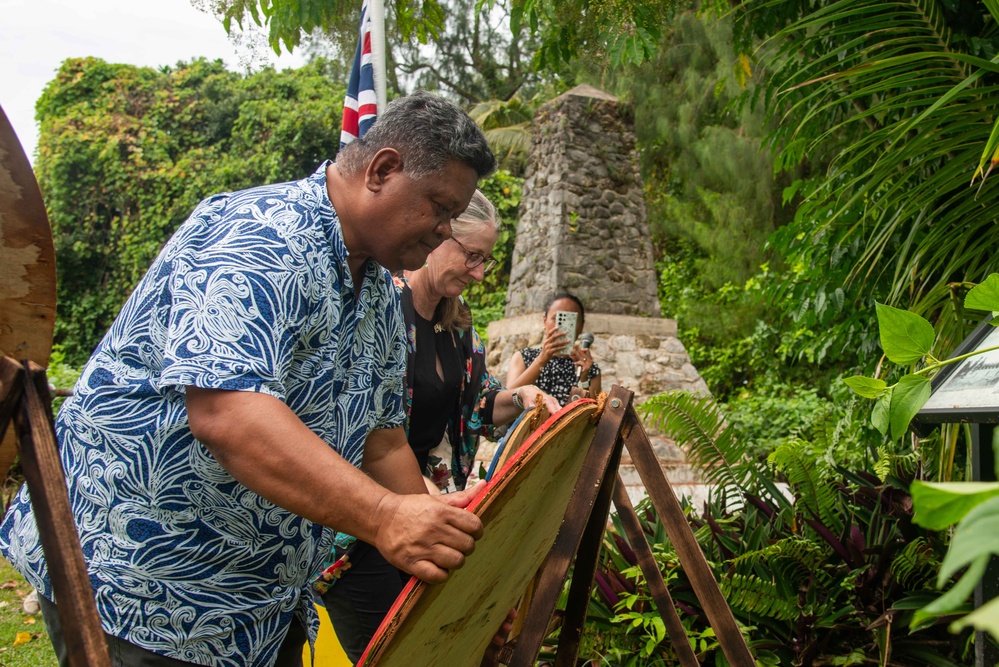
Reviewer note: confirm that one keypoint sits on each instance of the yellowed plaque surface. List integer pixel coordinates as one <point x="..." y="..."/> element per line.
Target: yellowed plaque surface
<point x="522" y="508"/>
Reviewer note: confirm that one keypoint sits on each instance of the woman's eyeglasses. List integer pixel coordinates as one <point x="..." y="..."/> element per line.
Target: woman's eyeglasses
<point x="474" y="259"/>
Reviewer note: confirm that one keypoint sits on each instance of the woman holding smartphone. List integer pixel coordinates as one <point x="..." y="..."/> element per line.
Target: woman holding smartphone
<point x="550" y="367"/>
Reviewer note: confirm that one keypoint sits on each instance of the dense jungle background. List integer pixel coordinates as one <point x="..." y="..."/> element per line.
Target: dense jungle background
<point x="803" y="161"/>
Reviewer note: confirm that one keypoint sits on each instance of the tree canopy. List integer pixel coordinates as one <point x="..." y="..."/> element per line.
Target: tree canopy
<point x="125" y="153"/>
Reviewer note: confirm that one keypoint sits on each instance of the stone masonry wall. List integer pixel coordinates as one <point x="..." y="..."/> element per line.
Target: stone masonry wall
<point x="582" y="220"/>
<point x="583" y="229"/>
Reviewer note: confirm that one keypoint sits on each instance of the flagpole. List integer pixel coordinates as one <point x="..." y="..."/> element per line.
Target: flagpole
<point x="378" y="58"/>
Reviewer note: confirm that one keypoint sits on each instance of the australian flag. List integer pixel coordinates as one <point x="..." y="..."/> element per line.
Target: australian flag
<point x="360" y="108"/>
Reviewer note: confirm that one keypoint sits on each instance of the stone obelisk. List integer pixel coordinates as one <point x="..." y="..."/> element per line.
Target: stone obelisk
<point x="583" y="229"/>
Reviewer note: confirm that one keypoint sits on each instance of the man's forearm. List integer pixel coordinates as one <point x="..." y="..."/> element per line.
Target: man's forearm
<point x="265" y="447"/>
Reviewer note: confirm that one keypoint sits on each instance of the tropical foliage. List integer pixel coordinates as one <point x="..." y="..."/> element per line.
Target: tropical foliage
<point x="125" y="153"/>
<point x="908" y="340"/>
<point x="821" y="564"/>
<point x="809" y="170"/>
<point x="886" y="108"/>
<point x="458" y="47"/>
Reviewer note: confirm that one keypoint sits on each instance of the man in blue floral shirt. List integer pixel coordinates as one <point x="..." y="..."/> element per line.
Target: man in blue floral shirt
<point x="248" y="398"/>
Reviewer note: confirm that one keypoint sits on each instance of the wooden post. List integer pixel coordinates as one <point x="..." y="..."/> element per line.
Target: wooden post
<point x="581" y="535"/>
<point x="553" y="571"/>
<point x="687" y="549"/>
<point x="587" y="556"/>
<point x="81" y="628"/>
<point x="650" y="568"/>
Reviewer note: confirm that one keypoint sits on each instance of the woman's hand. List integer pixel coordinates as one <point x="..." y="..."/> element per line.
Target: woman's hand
<point x="583" y="359"/>
<point x="528" y="396"/>
<point x="555" y="341"/>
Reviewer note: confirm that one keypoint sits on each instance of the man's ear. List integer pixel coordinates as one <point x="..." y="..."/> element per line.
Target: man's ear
<point x="386" y="163"/>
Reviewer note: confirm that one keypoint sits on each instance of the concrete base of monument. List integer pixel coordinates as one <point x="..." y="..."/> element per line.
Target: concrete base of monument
<point x="642" y="354"/>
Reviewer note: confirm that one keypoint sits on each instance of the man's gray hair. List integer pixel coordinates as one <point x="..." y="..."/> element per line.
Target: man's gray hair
<point x="428" y="131"/>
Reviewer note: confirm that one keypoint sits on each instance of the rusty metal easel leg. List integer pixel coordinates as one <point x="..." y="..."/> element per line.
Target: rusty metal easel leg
<point x="606" y="440"/>
<point x="687" y="549"/>
<point x="44" y="475"/>
<point x="654" y="578"/>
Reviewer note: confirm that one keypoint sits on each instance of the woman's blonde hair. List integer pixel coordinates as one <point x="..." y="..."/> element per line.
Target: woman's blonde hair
<point x="454" y="314"/>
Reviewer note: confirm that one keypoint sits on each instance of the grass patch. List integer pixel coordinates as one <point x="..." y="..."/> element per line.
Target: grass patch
<point x="37" y="652"/>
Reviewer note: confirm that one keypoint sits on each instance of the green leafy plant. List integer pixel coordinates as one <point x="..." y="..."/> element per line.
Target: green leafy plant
<point x="908" y="340"/>
<point x="125" y="153"/>
<point x="820" y="564"/>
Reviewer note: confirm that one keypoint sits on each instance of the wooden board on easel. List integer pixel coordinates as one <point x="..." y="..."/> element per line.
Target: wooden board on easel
<point x="522" y="508"/>
<point x="444" y="624"/>
<point x="27" y="267"/>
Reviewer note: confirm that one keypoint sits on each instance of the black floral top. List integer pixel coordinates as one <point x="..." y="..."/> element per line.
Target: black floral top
<point x="471" y="415"/>
<point x="558" y="376"/>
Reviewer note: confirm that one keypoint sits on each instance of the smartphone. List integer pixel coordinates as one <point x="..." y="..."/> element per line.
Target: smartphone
<point x="566" y="321"/>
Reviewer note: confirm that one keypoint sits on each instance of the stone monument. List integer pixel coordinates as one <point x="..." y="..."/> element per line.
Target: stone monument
<point x="583" y="229"/>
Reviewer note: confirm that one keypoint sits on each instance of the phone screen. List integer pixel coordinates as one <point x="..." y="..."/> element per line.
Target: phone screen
<point x="566" y="321"/>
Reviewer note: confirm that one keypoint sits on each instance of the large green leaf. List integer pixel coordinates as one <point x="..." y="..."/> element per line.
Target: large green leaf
<point x="882" y="411"/>
<point x="975" y="542"/>
<point x="976" y="537"/>
<point x="983" y="619"/>
<point x="938" y="506"/>
<point x="905" y="337"/>
<point x="910" y="394"/>
<point x="984" y="296"/>
<point x="865" y="386"/>
<point x="955" y="597"/>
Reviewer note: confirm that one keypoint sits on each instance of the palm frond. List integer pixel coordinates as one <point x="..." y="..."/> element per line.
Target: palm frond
<point x="907" y="111"/>
<point x="507" y="126"/>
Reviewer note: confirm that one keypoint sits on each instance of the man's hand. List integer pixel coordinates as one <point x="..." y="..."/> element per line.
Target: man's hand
<point x="424" y="536"/>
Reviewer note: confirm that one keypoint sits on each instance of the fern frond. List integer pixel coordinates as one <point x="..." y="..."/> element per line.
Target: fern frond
<point x="757" y="597"/>
<point x="916" y="566"/>
<point x="698" y="426"/>
<point x="892" y="464"/>
<point x="804" y="471"/>
<point x="804" y="552"/>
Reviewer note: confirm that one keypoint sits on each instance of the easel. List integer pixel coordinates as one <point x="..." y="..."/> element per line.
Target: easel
<point x="581" y="536"/>
<point x="24" y="398"/>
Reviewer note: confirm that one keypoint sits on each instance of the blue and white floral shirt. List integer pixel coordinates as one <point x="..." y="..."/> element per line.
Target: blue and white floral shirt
<point x="252" y="293"/>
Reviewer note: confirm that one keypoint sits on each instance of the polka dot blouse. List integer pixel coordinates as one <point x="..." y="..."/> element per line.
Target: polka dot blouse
<point x="558" y="376"/>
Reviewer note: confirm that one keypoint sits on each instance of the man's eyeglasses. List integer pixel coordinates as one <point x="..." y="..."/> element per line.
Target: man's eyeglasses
<point x="474" y="259"/>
